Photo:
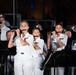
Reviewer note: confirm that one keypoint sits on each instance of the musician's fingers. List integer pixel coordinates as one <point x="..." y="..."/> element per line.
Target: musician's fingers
<point x="12" y="34"/>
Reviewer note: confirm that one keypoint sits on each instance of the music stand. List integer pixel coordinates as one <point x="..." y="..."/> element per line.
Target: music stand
<point x="3" y="55"/>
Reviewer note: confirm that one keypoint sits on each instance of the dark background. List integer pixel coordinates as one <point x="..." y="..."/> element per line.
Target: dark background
<point x="60" y="10"/>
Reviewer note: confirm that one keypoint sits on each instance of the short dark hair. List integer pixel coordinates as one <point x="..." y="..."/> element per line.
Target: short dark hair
<point x="24" y="21"/>
<point x="60" y="25"/>
<point x="8" y="32"/>
<point x="35" y="28"/>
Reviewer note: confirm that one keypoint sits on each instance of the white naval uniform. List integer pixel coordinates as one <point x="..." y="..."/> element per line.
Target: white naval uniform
<point x="23" y="60"/>
<point x="38" y="57"/>
<point x="56" y="47"/>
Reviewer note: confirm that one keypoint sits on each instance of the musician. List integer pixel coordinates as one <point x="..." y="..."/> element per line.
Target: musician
<point x="45" y="50"/>
<point x="10" y="57"/>
<point x="3" y="28"/>
<point x="23" y="60"/>
<point x="8" y="35"/>
<point x="57" y="40"/>
<point x="38" y="47"/>
<point x="2" y="17"/>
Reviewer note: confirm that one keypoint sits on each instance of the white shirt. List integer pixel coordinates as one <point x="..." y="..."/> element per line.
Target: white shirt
<point x="40" y="43"/>
<point x="3" y="33"/>
<point x="55" y="46"/>
<point x="72" y="28"/>
<point x="74" y="45"/>
<point x="24" y="49"/>
<point x="7" y="23"/>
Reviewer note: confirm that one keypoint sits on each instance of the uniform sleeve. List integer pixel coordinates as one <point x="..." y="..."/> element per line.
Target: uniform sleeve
<point x="41" y="44"/>
<point x="64" y="40"/>
<point x="30" y="39"/>
<point x="14" y="41"/>
<point x="45" y="47"/>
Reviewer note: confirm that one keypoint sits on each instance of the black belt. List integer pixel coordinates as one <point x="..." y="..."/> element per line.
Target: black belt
<point x="22" y="53"/>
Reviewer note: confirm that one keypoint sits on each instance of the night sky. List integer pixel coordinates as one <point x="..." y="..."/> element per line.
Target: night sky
<point x="60" y="10"/>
